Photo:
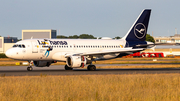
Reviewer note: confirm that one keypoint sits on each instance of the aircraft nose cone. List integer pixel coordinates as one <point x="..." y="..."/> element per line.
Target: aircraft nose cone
<point x="9" y="53"/>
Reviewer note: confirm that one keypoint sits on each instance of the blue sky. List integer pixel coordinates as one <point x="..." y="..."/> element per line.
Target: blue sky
<point x="101" y="18"/>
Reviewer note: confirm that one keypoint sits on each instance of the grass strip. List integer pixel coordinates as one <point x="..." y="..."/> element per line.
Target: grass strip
<point x="142" y="66"/>
<point x="131" y="87"/>
<point x="11" y="62"/>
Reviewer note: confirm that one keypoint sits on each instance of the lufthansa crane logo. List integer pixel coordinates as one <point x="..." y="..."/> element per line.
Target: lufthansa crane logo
<point x="140" y="30"/>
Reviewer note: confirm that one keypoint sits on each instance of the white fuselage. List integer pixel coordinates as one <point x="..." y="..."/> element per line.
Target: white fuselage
<point x="35" y="49"/>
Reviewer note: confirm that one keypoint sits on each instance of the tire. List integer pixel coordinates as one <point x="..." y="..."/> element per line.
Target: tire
<point x="29" y="68"/>
<point x="67" y="68"/>
<point x="91" y="67"/>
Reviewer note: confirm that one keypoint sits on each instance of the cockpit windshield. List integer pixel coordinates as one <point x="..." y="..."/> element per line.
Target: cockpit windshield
<point x="23" y="46"/>
<point x="19" y="45"/>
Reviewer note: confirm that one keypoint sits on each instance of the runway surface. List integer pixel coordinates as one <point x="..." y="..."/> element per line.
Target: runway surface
<point x="59" y="70"/>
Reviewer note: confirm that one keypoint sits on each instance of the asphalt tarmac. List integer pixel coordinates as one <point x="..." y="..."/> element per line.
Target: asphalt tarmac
<point x="59" y="70"/>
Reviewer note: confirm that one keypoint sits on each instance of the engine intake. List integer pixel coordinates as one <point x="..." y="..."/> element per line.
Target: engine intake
<point x="76" y="61"/>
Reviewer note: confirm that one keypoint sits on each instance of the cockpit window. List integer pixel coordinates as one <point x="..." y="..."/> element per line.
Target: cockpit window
<point x="19" y="45"/>
<point x="23" y="46"/>
<point x="14" y="45"/>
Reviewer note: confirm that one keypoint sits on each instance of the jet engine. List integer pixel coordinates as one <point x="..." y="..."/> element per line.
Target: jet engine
<point x="76" y="61"/>
<point x="42" y="63"/>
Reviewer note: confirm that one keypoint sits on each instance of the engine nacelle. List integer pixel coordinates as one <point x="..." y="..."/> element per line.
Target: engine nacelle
<point x="42" y="63"/>
<point x="76" y="61"/>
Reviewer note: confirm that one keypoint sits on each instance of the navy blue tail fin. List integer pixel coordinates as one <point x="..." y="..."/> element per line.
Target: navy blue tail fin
<point x="138" y="30"/>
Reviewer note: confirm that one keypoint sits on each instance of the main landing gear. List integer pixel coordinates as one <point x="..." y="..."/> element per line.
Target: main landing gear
<point x="91" y="67"/>
<point x="67" y="68"/>
<point x="29" y="68"/>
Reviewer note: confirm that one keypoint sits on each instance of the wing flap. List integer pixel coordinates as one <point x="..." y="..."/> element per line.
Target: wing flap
<point x="154" y="44"/>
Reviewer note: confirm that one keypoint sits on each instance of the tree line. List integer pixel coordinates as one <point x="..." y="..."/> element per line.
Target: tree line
<point x="87" y="36"/>
<point x="82" y="36"/>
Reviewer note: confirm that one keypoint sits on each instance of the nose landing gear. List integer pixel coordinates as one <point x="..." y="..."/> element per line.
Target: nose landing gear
<point x="29" y="68"/>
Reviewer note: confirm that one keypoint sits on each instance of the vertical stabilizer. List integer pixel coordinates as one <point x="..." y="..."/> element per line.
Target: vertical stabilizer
<point x="138" y="30"/>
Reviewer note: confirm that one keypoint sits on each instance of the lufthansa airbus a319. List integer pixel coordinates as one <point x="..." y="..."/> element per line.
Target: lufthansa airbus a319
<point x="80" y="52"/>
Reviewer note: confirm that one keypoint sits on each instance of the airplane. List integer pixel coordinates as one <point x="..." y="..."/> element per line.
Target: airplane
<point x="78" y="53"/>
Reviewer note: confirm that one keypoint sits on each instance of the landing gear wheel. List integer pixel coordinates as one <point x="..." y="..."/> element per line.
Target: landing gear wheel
<point x="91" y="67"/>
<point x="29" y="68"/>
<point x="67" y="68"/>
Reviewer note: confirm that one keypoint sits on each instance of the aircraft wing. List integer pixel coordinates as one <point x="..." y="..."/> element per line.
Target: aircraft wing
<point x="154" y="44"/>
<point x="103" y="52"/>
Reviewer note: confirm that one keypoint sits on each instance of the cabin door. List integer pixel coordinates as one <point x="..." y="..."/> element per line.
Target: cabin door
<point x="35" y="47"/>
